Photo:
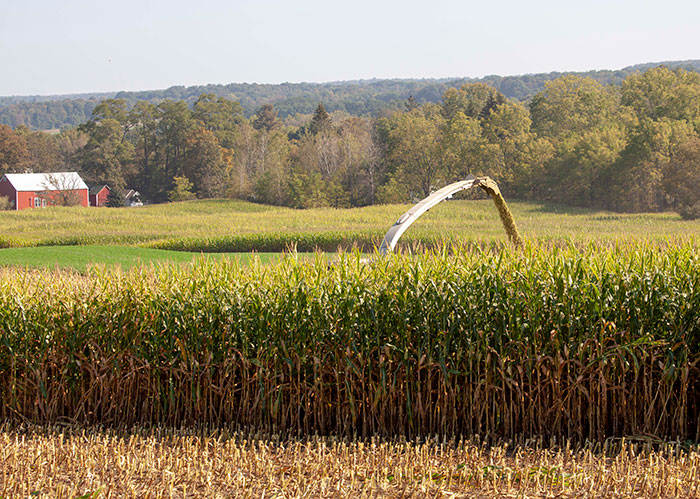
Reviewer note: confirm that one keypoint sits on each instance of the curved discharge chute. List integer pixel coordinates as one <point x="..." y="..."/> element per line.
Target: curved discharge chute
<point x="404" y="222"/>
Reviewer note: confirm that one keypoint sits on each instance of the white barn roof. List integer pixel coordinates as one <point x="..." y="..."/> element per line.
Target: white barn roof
<point x="32" y="182"/>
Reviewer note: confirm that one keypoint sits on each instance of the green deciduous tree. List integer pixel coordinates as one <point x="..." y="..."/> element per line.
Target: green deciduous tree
<point x="681" y="180"/>
<point x="220" y="116"/>
<point x="107" y="157"/>
<point x="182" y="190"/>
<point x="174" y="125"/>
<point x="261" y="164"/>
<point x="635" y="181"/>
<point x="417" y="152"/>
<point x="205" y="163"/>
<point x="149" y="177"/>
<point x="307" y="190"/>
<point x="661" y="93"/>
<point x="506" y="128"/>
<point x="463" y="141"/>
<point x="472" y="99"/>
<point x="14" y="156"/>
<point x="572" y="105"/>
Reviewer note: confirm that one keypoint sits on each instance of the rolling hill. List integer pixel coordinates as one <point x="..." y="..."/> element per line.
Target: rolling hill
<point x="358" y="97"/>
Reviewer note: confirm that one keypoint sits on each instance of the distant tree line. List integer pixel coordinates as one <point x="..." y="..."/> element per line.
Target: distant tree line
<point x="358" y="98"/>
<point x="628" y="147"/>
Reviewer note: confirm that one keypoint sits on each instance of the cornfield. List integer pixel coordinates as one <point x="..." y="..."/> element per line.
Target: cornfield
<point x="231" y="225"/>
<point x="578" y="344"/>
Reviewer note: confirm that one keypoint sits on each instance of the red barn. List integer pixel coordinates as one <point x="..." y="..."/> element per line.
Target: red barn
<point x="37" y="190"/>
<point x="98" y="195"/>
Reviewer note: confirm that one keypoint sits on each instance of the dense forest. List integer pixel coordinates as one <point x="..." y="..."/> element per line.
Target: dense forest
<point x="358" y="98"/>
<point x="628" y="147"/>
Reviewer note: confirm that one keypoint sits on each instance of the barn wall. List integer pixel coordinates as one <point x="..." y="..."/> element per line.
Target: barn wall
<point x="99" y="199"/>
<point x="102" y="197"/>
<point x="26" y="199"/>
<point x="8" y="191"/>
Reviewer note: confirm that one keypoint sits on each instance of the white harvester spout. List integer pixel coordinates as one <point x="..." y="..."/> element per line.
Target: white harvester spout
<point x="404" y="222"/>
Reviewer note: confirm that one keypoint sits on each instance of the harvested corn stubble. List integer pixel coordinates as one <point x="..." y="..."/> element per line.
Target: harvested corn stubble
<point x="56" y="462"/>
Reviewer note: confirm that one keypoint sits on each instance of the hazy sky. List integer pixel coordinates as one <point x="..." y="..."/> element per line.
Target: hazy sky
<point x="71" y="46"/>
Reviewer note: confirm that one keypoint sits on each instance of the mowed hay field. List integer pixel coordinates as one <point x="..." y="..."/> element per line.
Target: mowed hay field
<point x="463" y="371"/>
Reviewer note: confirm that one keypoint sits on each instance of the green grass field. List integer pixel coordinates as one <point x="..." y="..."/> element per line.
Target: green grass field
<point x="82" y="257"/>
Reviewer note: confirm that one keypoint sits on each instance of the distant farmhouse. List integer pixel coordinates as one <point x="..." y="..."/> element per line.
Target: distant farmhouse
<point x="132" y="198"/>
<point x="38" y="190"/>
